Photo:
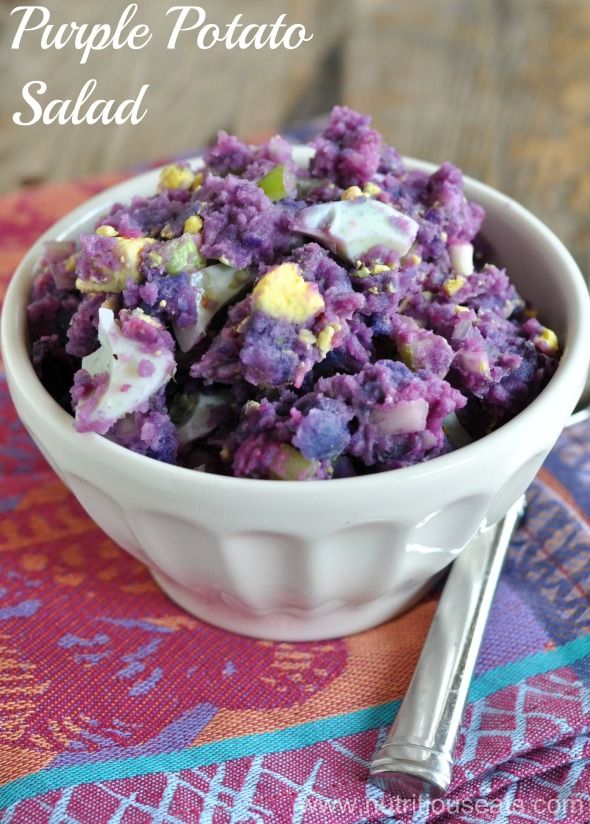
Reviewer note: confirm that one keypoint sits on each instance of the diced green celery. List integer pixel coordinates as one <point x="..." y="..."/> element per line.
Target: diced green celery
<point x="291" y="465"/>
<point x="276" y="183"/>
<point x="406" y="354"/>
<point x="182" y="255"/>
<point x="182" y="407"/>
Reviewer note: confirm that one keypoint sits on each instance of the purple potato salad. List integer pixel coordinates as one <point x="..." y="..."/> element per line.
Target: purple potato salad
<point x="285" y="314"/>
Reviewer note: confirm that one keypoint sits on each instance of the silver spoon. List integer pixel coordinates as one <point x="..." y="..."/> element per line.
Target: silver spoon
<point x="417" y="756"/>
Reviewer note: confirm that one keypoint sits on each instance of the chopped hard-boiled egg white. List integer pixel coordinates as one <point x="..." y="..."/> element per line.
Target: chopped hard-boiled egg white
<point x="461" y="255"/>
<point x="351" y="228"/>
<point x="134" y="374"/>
<point x="198" y="423"/>
<point x="214" y="286"/>
<point x="401" y="418"/>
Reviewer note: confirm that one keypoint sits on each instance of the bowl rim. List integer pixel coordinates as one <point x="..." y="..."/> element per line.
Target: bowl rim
<point x="19" y="369"/>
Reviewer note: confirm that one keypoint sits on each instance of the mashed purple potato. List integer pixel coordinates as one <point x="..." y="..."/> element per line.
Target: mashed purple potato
<point x="268" y="318"/>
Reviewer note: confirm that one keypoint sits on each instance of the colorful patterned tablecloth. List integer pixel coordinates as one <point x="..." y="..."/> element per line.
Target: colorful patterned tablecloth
<point x="116" y="706"/>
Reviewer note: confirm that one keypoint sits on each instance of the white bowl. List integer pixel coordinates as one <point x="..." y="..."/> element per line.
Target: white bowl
<point x="308" y="560"/>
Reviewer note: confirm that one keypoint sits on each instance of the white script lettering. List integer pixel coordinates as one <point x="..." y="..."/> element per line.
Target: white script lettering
<point x="79" y="110"/>
<point x="86" y="38"/>
<point x="192" y="18"/>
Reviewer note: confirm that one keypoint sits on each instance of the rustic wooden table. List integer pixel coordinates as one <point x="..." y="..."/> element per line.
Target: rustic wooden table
<point x="501" y="87"/>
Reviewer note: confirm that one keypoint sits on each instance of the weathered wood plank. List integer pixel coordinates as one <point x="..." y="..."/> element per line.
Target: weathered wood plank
<point x="500" y="87"/>
<point x="193" y="93"/>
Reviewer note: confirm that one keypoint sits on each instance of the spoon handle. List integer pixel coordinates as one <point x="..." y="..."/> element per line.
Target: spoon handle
<point x="417" y="756"/>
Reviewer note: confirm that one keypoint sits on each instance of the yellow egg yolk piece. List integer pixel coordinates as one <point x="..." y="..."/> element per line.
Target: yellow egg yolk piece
<point x="128" y="251"/>
<point x="283" y="293"/>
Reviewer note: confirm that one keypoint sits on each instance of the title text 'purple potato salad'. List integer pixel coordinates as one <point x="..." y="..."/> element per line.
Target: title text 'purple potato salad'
<point x="292" y="315"/>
